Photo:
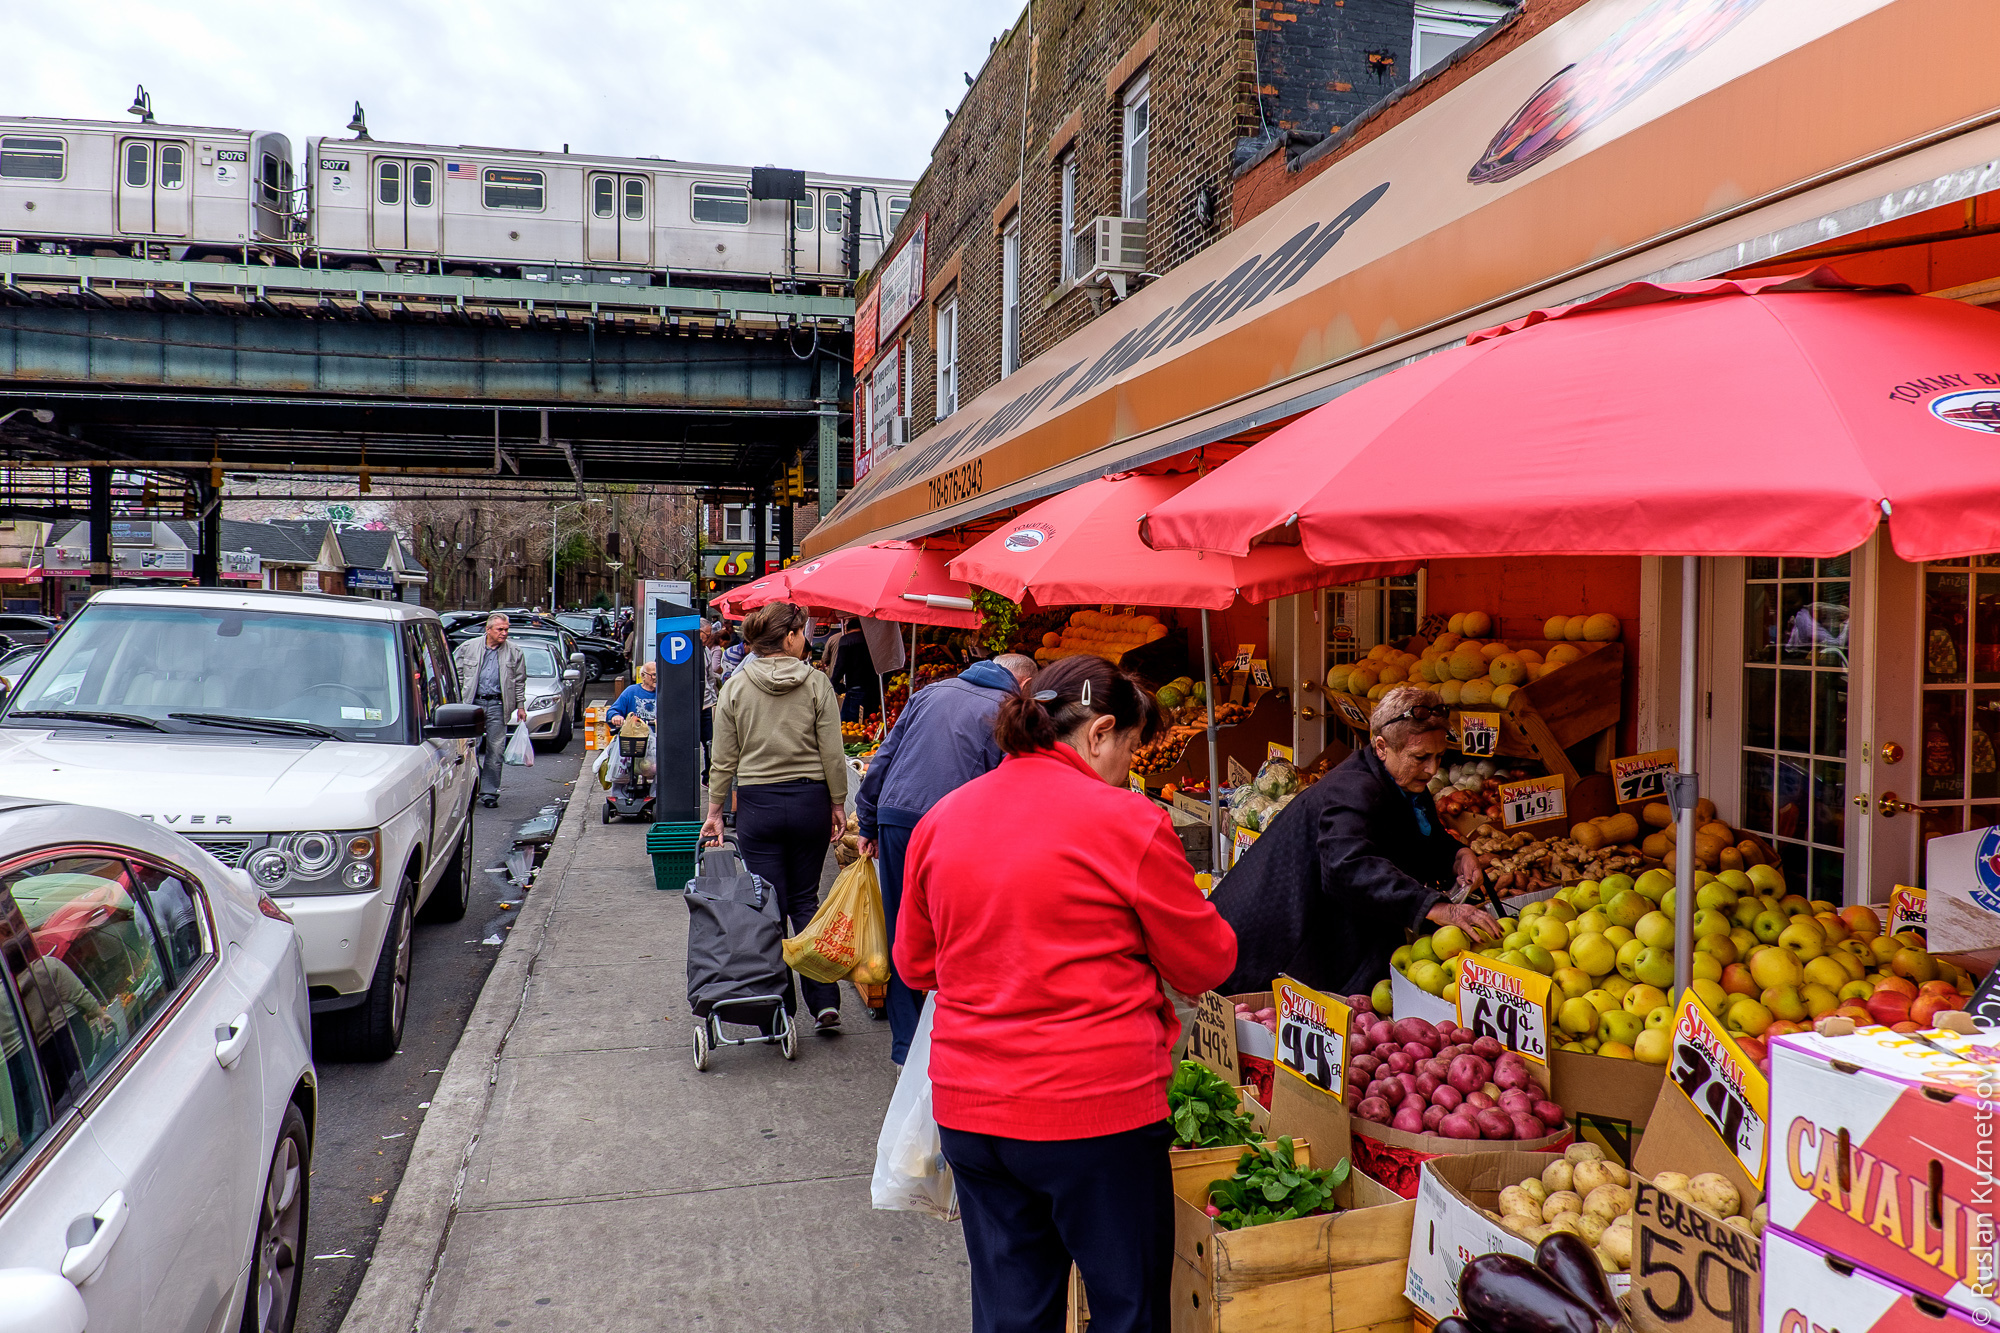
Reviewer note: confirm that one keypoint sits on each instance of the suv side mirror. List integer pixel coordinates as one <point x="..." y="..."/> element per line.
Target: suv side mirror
<point x="572" y="675"/>
<point x="577" y="658"/>
<point x="452" y="722"/>
<point x="32" y="1301"/>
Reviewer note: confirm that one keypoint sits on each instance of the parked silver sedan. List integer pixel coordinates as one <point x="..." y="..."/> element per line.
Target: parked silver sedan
<point x="555" y="690"/>
<point x="157" y="1095"/>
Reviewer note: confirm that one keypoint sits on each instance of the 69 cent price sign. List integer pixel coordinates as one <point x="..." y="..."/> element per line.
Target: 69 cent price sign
<point x="1312" y="1034"/>
<point x="1507" y="1003"/>
<point x="1724" y="1086"/>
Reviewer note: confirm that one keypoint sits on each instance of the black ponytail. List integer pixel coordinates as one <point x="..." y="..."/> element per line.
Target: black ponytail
<point x="1067" y="696"/>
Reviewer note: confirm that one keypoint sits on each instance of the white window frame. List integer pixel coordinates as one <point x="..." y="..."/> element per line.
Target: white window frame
<point x="946" y="342"/>
<point x="1135" y="157"/>
<point x="487" y="184"/>
<point x="1066" y="240"/>
<point x="1462" y="19"/>
<point x="1010" y="295"/>
<point x="730" y="192"/>
<point x="38" y="149"/>
<point x="899" y="207"/>
<point x="736" y="521"/>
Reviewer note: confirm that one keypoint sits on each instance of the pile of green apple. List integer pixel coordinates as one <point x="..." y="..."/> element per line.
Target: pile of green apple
<point x="1766" y="962"/>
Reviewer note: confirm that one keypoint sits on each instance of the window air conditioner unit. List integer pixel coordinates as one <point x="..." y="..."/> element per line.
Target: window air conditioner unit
<point x="1110" y="250"/>
<point x="899" y="432"/>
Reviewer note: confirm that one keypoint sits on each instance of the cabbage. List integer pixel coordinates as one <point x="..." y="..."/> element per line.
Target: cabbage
<point x="1277" y="778"/>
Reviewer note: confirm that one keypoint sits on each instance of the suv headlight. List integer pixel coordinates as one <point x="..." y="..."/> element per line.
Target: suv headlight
<point x="541" y="701"/>
<point x="316" y="862"/>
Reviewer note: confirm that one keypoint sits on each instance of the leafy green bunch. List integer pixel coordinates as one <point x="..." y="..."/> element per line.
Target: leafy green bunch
<point x="1205" y="1109"/>
<point x="1269" y="1186"/>
<point x="997" y="617"/>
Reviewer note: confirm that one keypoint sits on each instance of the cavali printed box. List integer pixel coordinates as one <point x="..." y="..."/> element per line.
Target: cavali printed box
<point x="1882" y="1150"/>
<point x="1808" y="1290"/>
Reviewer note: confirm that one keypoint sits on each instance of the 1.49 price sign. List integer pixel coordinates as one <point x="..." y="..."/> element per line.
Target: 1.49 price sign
<point x="1312" y="1034"/>
<point x="1507" y="1003"/>
<point x="1532" y="800"/>
<point x="1727" y="1090"/>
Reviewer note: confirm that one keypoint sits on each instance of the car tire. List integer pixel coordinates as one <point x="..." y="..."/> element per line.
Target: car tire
<point x="374" y="1028"/>
<point x="453" y="894"/>
<point x="277" y="1256"/>
<point x="592" y="672"/>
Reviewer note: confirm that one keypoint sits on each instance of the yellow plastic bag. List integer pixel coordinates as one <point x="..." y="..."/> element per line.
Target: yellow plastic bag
<point x="848" y="938"/>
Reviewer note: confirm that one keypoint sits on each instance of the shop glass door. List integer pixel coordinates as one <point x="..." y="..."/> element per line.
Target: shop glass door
<point x="1955" y="768"/>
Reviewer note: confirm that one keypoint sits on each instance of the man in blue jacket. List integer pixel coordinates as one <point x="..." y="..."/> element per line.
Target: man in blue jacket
<point x="942" y="740"/>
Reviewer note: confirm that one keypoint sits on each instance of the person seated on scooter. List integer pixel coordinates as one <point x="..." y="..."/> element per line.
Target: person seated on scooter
<point x="638" y="701"/>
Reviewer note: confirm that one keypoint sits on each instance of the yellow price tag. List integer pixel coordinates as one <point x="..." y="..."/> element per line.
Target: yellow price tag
<point x="1312" y="1034"/>
<point x="1643" y="777"/>
<point x="1725" y="1087"/>
<point x="1532" y="800"/>
<point x="1505" y="1002"/>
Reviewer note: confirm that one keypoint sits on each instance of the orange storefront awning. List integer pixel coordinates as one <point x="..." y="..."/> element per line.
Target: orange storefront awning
<point x="1634" y="139"/>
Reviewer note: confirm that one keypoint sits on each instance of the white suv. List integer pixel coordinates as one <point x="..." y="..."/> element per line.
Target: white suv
<point x="315" y="742"/>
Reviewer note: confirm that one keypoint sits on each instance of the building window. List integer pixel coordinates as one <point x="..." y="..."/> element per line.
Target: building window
<point x="1066" y="242"/>
<point x="513" y="189"/>
<point x="739" y="526"/>
<point x="1010" y="297"/>
<point x="389" y="182"/>
<point x="833" y="211"/>
<point x="1442" y="26"/>
<point x="603" y="193"/>
<point x="1138" y="146"/>
<point x="947" y="358"/>
<point x="423" y="180"/>
<point x="31" y="159"/>
<point x="722" y="203"/>
<point x="899" y="204"/>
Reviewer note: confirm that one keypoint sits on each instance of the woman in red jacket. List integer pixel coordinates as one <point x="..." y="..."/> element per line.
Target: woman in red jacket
<point x="1044" y="903"/>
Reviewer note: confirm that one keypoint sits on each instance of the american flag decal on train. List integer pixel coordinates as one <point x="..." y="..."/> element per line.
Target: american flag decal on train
<point x="458" y="169"/>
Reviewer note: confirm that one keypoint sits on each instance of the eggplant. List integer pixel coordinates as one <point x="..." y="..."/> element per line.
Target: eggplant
<point x="1451" y="1323"/>
<point x="1571" y="1266"/>
<point x="1501" y="1293"/>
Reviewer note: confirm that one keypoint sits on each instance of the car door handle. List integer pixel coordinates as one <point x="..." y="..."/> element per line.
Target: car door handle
<point x="82" y="1262"/>
<point x="230" y="1041"/>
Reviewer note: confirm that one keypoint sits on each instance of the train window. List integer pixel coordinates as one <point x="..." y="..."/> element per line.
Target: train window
<point x="138" y="163"/>
<point x="267" y="178"/>
<point x="802" y="213"/>
<point x="173" y="162"/>
<point x="423" y="179"/>
<point x="898" y="205"/>
<point x="31" y="159"/>
<point x="635" y="199"/>
<point x="722" y="203"/>
<point x="389" y="182"/>
<point x="601" y="193"/>
<point x="833" y="211"/>
<point x="512" y="189"/>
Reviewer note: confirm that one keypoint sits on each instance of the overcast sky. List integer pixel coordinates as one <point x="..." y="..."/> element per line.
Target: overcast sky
<point x="851" y="86"/>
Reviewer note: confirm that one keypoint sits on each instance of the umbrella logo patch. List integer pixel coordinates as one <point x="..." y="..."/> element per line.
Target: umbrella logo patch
<point x="1027" y="539"/>
<point x="810" y="568"/>
<point x="1973" y="409"/>
<point x="1986" y="866"/>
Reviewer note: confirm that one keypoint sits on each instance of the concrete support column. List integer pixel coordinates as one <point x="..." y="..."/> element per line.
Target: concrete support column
<point x="829" y="433"/>
<point x="100" y="527"/>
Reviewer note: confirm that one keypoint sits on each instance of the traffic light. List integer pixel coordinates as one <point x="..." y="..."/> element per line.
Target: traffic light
<point x="791" y="487"/>
<point x="850" y="243"/>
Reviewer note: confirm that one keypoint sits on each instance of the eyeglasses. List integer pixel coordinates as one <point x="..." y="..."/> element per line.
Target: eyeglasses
<point x="1422" y="713"/>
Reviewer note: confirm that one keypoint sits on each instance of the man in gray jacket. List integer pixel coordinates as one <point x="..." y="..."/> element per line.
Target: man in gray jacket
<point x="493" y="674"/>
<point x="942" y="741"/>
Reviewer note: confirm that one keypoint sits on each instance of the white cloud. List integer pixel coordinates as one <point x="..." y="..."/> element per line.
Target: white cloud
<point x="856" y="86"/>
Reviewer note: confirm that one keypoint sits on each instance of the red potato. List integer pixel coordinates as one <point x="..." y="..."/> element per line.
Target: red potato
<point x="1528" y="1125"/>
<point x="1447" y="1096"/>
<point x="1515" y="1100"/>
<point x="1353" y="1097"/>
<point x="1459" y="1126"/>
<point x="1364" y="1064"/>
<point x="1433" y="1117"/>
<point x="1550" y="1114"/>
<point x="1496" y="1124"/>
<point x="1513" y="1077"/>
<point x="1418" y="1050"/>
<point x="1469" y="1073"/>
<point x="1410" y="1122"/>
<point x="1487" y="1048"/>
<point x="1271" y="1023"/>
<point x="1267" y="1015"/>
<point x="1428" y="1084"/>
<point x="1375" y="1110"/>
<point x="1400" y="1062"/>
<point x="1407" y="1030"/>
<point x="1361" y="1004"/>
<point x="1413" y="1102"/>
<point x="1437" y="1067"/>
<point x="1357" y="1042"/>
<point x="1382" y="1032"/>
<point x="1406" y="1082"/>
<point x="1479" y="1101"/>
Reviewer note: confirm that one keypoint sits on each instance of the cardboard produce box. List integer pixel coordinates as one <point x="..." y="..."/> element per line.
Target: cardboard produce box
<point x="1609" y="1101"/>
<point x="1395" y="1157"/>
<point x="1809" y="1290"/>
<point x="1342" y="1271"/>
<point x="1412" y="1001"/>
<point x="1876" y="1156"/>
<point x="1448" y="1227"/>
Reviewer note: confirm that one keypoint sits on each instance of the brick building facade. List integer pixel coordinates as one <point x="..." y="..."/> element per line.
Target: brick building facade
<point x="1044" y="142"/>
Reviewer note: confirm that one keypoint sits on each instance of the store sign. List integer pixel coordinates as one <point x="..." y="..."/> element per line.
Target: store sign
<point x="864" y="328"/>
<point x="154" y="562"/>
<point x="1507" y="1003"/>
<point x="241" y="564"/>
<point x="1478" y="735"/>
<point x="1725" y="1087"/>
<point x="1532" y="800"/>
<point x="885" y="400"/>
<point x="1312" y="1035"/>
<point x="371" y="579"/>
<point x="1244" y="652"/>
<point x="1908" y="910"/>
<point x="1351" y="710"/>
<point x="901" y="286"/>
<point x="1643" y="777"/>
<point x="1240" y="842"/>
<point x="65" y="560"/>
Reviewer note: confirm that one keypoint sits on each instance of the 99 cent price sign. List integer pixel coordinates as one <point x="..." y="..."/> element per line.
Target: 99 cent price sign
<point x="1479" y="735"/>
<point x="1507" y="1003"/>
<point x="1312" y="1034"/>
<point x="1725" y="1087"/>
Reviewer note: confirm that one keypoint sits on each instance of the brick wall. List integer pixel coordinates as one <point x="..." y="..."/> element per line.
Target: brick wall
<point x="1314" y="70"/>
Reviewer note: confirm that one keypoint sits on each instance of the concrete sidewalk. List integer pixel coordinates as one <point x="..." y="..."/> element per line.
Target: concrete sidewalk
<point x="575" y="1172"/>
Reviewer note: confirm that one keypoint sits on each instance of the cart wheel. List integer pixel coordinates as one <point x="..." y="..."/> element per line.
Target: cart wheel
<point x="607" y="812"/>
<point x="788" y="1044"/>
<point x="701" y="1045"/>
<point x="646" y="813"/>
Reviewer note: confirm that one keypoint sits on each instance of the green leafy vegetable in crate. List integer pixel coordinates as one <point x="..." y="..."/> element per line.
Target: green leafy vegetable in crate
<point x="1269" y="1186"/>
<point x="1205" y="1109"/>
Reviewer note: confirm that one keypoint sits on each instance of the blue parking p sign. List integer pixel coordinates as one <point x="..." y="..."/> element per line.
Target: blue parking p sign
<point x="679" y="646"/>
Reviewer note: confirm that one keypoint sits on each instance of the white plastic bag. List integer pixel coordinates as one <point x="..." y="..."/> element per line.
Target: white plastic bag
<point x="520" y="750"/>
<point x="911" y="1175"/>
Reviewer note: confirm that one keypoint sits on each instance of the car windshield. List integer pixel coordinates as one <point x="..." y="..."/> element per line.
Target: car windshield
<point x="155" y="661"/>
<point x="541" y="660"/>
<point x="14" y="663"/>
<point x="578" y="624"/>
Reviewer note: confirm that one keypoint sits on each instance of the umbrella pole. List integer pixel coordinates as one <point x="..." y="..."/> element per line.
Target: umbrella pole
<point x="1688" y="786"/>
<point x="1214" y="777"/>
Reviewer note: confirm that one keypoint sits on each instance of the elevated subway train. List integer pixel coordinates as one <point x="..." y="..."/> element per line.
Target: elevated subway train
<point x="196" y="193"/>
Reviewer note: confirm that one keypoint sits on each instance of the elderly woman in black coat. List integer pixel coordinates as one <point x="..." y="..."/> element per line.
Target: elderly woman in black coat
<point x="1355" y="861"/>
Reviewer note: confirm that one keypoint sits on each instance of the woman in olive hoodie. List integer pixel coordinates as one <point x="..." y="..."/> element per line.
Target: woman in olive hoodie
<point x="777" y="738"/>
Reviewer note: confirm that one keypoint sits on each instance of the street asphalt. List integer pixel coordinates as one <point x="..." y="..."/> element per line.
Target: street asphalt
<point x="370" y="1113"/>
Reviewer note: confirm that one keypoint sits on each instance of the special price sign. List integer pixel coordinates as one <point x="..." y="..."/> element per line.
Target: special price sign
<point x="1507" y="1003"/>
<point x="1908" y="910"/>
<point x="1479" y="735"/>
<point x="1725" y="1087"/>
<point x="1312" y="1034"/>
<point x="1643" y="777"/>
<point x="1532" y="800"/>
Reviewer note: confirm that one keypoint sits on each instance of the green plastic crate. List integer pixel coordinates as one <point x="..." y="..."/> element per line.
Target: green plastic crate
<point x="676" y="851"/>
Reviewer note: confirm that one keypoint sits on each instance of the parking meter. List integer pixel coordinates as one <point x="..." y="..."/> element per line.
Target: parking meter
<point x="679" y="659"/>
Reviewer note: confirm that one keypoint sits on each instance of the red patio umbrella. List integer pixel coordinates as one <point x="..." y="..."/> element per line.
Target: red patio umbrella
<point x="901" y="581"/>
<point x="747" y="597"/>
<point x="1767" y="416"/>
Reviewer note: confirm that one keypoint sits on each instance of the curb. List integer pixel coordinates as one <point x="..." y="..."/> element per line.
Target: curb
<point x="410" y="1250"/>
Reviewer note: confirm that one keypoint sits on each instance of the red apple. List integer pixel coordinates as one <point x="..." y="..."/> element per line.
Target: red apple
<point x="1924" y="1007"/>
<point x="1754" y="1047"/>
<point x="1860" y="1015"/>
<point x="1901" y="985"/>
<point x="1888" y="1007"/>
<point x="1905" y="1026"/>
